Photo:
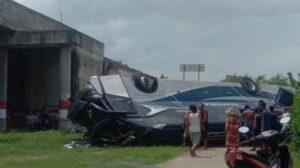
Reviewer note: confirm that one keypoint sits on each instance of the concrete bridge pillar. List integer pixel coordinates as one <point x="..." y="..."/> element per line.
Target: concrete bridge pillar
<point x="3" y="87"/>
<point x="65" y="87"/>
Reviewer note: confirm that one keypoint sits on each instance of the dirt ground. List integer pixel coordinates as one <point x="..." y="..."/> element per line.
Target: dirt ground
<point x="210" y="158"/>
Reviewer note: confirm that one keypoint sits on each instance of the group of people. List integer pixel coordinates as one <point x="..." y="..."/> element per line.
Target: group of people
<point x="195" y="124"/>
<point x="258" y="120"/>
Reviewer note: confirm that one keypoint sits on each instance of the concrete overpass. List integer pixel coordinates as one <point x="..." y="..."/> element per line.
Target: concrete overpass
<point x="42" y="61"/>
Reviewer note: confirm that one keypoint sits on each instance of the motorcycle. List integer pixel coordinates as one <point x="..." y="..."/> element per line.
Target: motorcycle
<point x="274" y="155"/>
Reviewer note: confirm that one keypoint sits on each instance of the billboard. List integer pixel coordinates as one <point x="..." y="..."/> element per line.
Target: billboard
<point x="192" y="68"/>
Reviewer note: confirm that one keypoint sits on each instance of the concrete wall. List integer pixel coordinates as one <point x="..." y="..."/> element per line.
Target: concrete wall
<point x="18" y="17"/>
<point x="85" y="63"/>
<point x="35" y="29"/>
<point x="111" y="67"/>
<point x="46" y="61"/>
<point x="42" y="54"/>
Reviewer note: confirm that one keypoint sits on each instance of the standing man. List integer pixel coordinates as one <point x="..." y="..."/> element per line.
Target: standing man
<point x="257" y="120"/>
<point x="249" y="117"/>
<point x="275" y="123"/>
<point x="266" y="119"/>
<point x="204" y="124"/>
<point x="185" y="126"/>
<point x="286" y="113"/>
<point x="194" y="124"/>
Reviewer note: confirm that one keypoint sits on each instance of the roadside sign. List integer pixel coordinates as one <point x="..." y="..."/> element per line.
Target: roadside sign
<point x="192" y="68"/>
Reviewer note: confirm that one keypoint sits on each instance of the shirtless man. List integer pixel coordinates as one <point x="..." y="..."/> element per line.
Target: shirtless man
<point x="249" y="117"/>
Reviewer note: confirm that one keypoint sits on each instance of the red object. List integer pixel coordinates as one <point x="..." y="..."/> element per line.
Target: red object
<point x="236" y="158"/>
<point x="233" y="124"/>
<point x="64" y="104"/>
<point x="233" y="155"/>
<point x="2" y="104"/>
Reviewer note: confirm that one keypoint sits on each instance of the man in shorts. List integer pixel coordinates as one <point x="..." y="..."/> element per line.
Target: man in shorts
<point x="194" y="125"/>
<point x="204" y="124"/>
<point x="249" y="117"/>
<point x="186" y="133"/>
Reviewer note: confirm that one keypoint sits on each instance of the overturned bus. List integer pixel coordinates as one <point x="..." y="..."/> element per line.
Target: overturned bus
<point x="143" y="110"/>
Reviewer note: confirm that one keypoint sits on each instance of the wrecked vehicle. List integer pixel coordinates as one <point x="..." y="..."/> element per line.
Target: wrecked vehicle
<point x="143" y="110"/>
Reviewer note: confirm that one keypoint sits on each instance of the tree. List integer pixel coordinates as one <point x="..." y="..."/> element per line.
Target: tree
<point x="233" y="78"/>
<point x="294" y="83"/>
<point x="261" y="79"/>
<point x="279" y="79"/>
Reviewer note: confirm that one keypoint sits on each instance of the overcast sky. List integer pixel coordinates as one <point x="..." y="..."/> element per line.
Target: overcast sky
<point x="229" y="36"/>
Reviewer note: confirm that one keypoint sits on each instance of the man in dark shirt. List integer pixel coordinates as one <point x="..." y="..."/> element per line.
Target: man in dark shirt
<point x="257" y="120"/>
<point x="266" y="119"/>
<point x="275" y="123"/>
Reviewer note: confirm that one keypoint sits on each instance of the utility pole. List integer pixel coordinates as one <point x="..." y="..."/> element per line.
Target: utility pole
<point x="183" y="73"/>
<point x="61" y="17"/>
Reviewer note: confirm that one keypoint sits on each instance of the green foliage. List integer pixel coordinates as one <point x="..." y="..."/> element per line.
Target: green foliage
<point x="261" y="79"/>
<point x="296" y="123"/>
<point x="233" y="78"/>
<point x="277" y="79"/>
<point x="294" y="83"/>
<point x="296" y="130"/>
<point x="296" y="160"/>
<point x="45" y="149"/>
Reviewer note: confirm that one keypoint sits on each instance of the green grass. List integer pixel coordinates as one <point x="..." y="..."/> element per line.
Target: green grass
<point x="296" y="160"/>
<point x="45" y="149"/>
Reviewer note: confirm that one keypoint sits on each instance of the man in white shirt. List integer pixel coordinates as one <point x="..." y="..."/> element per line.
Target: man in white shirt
<point x="194" y="125"/>
<point x="286" y="113"/>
